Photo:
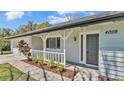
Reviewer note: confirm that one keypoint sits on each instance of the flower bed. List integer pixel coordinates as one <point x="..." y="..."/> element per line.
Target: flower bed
<point x="66" y="72"/>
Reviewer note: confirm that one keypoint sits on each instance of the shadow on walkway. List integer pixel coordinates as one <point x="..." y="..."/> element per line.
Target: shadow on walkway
<point x="44" y="73"/>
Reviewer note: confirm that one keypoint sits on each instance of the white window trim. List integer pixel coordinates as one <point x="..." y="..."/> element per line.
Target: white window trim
<point x="57" y="49"/>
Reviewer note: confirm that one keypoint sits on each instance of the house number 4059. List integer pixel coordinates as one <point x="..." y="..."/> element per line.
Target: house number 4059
<point x="111" y="31"/>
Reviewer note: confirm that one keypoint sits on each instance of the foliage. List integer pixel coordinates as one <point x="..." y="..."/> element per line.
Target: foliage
<point x="60" y="67"/>
<point x="5" y="32"/>
<point x="7" y="46"/>
<point x="35" y="59"/>
<point x="50" y="63"/>
<point x="119" y="79"/>
<point x="41" y="60"/>
<point x="30" y="26"/>
<point x="42" y="25"/>
<point x="4" y="45"/>
<point x="24" y="48"/>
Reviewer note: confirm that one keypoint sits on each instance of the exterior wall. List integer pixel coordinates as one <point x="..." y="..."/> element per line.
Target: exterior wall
<point x="111" y="48"/>
<point x="37" y="43"/>
<point x="72" y="47"/>
<point x="111" y="61"/>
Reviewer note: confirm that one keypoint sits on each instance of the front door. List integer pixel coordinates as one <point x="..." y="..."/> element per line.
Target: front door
<point x="92" y="47"/>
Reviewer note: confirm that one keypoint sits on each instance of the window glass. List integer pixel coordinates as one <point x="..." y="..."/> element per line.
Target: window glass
<point x="53" y="43"/>
<point x="58" y="42"/>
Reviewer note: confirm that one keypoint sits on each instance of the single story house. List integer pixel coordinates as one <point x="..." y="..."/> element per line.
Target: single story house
<point x="96" y="41"/>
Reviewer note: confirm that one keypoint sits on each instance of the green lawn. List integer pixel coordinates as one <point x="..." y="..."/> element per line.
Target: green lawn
<point x="9" y="73"/>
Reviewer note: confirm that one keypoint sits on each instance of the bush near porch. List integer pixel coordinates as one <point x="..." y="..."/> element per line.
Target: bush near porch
<point x="52" y="66"/>
<point x="50" y="63"/>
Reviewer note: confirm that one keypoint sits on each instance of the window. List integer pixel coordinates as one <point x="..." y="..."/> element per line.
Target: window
<point x="81" y="47"/>
<point x="53" y="43"/>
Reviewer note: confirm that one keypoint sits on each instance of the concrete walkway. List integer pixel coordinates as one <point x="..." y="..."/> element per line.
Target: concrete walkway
<point x="40" y="74"/>
<point x="35" y="72"/>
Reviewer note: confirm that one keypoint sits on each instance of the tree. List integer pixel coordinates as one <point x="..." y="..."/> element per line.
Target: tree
<point x="43" y="25"/>
<point x="3" y="44"/>
<point x="30" y="26"/>
<point x="6" y="32"/>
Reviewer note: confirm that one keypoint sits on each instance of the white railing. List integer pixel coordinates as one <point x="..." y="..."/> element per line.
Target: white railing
<point x="37" y="53"/>
<point x="48" y="55"/>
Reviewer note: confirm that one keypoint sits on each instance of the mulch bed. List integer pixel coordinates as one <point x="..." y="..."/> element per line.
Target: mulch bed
<point x="103" y="78"/>
<point x="66" y="73"/>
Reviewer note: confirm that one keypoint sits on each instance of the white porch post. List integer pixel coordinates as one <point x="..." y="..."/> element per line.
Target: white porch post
<point x="11" y="42"/>
<point x="64" y="49"/>
<point x="44" y="48"/>
<point x="44" y="37"/>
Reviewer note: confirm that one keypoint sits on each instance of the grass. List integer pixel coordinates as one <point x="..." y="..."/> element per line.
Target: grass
<point x="9" y="73"/>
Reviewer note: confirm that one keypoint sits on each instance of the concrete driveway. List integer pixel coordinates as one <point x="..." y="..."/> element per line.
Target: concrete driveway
<point x="10" y="57"/>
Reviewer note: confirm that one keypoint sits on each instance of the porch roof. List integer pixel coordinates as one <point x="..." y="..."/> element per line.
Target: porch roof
<point x="83" y="21"/>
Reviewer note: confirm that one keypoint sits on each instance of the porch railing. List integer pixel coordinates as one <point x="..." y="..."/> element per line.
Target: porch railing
<point x="48" y="55"/>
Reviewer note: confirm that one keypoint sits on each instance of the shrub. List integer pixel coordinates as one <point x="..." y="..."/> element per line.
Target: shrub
<point x="119" y="79"/>
<point x="4" y="45"/>
<point x="41" y="60"/>
<point x="50" y="63"/>
<point x="35" y="59"/>
<point x="24" y="48"/>
<point x="60" y="67"/>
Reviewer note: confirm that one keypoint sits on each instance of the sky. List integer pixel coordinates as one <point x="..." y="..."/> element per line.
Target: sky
<point x="14" y="19"/>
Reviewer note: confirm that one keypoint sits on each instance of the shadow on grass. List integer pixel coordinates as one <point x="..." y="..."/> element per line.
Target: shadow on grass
<point x="10" y="68"/>
<point x="11" y="73"/>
